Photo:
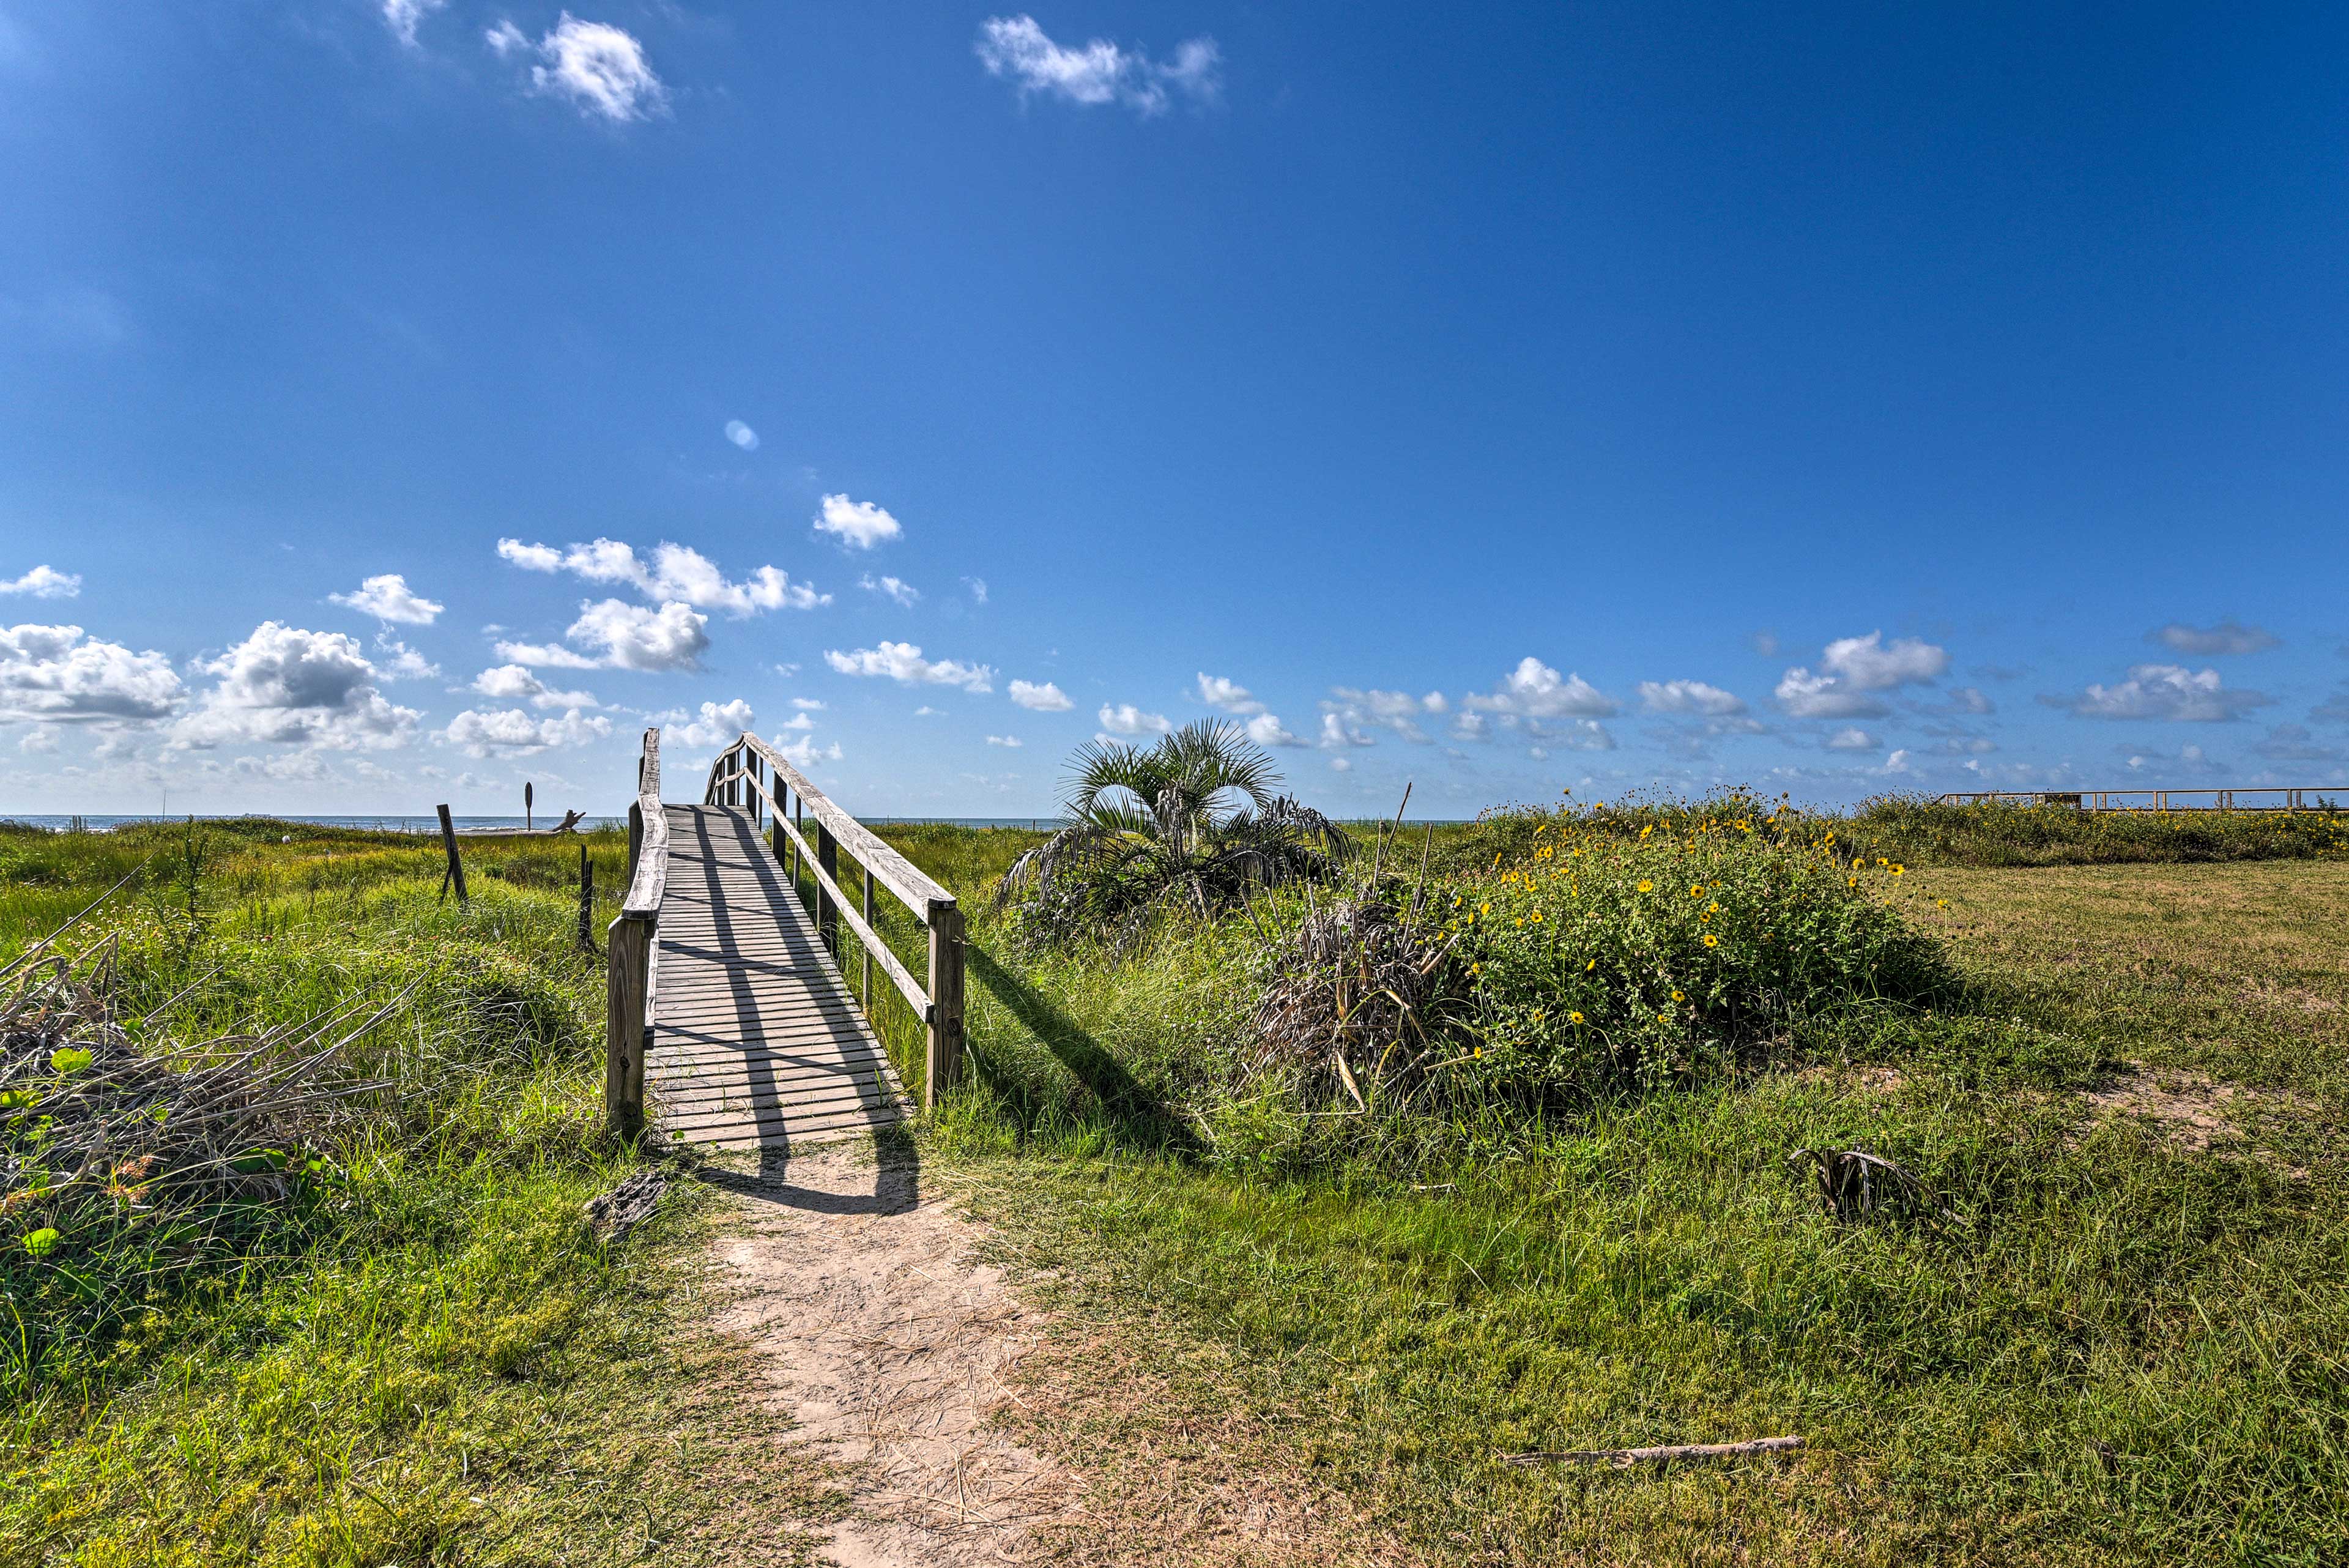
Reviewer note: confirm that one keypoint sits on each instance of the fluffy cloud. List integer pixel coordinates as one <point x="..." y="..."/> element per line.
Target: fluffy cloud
<point x="741" y="435"/>
<point x="1396" y="711"/>
<point x="622" y="636"/>
<point x="859" y="525"/>
<point x="1808" y="696"/>
<point x="1266" y="729"/>
<point x="895" y="589"/>
<point x="718" y="725"/>
<point x="804" y="752"/>
<point x="38" y="740"/>
<point x="402" y="662"/>
<point x="1852" y="739"/>
<point x="675" y="574"/>
<point x="1229" y="695"/>
<point x="512" y="683"/>
<point x="404" y="16"/>
<point x="1125" y="719"/>
<point x="1870" y="664"/>
<point x="54" y="672"/>
<point x="1971" y="700"/>
<point x="1044" y="699"/>
<point x="1533" y="690"/>
<point x="388" y="597"/>
<point x="2230" y="635"/>
<point x="1017" y="50"/>
<point x="1336" y="735"/>
<point x="285" y="684"/>
<point x="513" y="733"/>
<point x="977" y="587"/>
<point x="1010" y="741"/>
<point x="903" y="662"/>
<point x="1692" y="697"/>
<point x="2163" y="692"/>
<point x="601" y="70"/>
<point x="45" y="583"/>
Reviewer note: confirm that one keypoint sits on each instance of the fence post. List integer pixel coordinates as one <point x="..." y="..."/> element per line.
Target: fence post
<point x="827" y="915"/>
<point x="628" y="950"/>
<point x="456" y="872"/>
<point x="945" y="1066"/>
<point x="636" y="839"/>
<point x="866" y="947"/>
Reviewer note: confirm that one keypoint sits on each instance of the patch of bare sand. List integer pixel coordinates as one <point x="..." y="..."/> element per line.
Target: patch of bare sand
<point x="967" y="1427"/>
<point x="892" y="1350"/>
<point x="2188" y="1110"/>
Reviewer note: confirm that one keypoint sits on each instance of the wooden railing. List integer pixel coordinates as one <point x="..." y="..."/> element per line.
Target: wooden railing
<point x="750" y="771"/>
<point x="2278" y="798"/>
<point x="630" y="975"/>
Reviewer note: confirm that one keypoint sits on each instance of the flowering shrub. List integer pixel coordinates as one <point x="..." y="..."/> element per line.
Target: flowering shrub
<point x="1598" y="958"/>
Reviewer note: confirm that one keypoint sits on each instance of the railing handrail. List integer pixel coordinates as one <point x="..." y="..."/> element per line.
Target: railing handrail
<point x="649" y="876"/>
<point x="914" y="888"/>
<point x="2222" y="797"/>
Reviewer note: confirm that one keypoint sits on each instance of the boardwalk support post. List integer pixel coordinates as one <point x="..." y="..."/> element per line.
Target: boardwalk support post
<point x="946" y="1003"/>
<point x="628" y="974"/>
<point x="827" y="913"/>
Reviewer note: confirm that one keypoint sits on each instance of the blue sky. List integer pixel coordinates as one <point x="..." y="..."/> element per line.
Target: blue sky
<point x="401" y="401"/>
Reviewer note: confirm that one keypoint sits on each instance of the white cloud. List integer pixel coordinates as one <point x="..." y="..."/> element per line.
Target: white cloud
<point x="1045" y="699"/>
<point x="512" y="683"/>
<point x="859" y="525"/>
<point x="1808" y="696"/>
<point x="1266" y="729"/>
<point x="903" y="662"/>
<point x="1533" y="690"/>
<point x="1396" y="711"/>
<point x="1853" y="739"/>
<point x="896" y="588"/>
<point x="45" y="583"/>
<point x="504" y="39"/>
<point x="1897" y="762"/>
<point x="1578" y="735"/>
<point x="600" y="69"/>
<point x="1010" y="741"/>
<point x="977" y="587"/>
<point x="403" y="16"/>
<point x="2163" y="692"/>
<point x="634" y="638"/>
<point x="804" y="752"/>
<point x="1016" y="49"/>
<point x="1971" y="700"/>
<point x="402" y="662"/>
<point x="926" y="711"/>
<point x="2228" y="637"/>
<point x="514" y="733"/>
<point x="38" y="740"/>
<point x="1229" y="695"/>
<point x="807" y="704"/>
<point x="718" y="725"/>
<point x="388" y="597"/>
<point x="741" y="435"/>
<point x="1340" y="765"/>
<point x="1125" y="719"/>
<point x="286" y="684"/>
<point x="53" y="673"/>
<point x="676" y="572"/>
<point x="1694" y="697"/>
<point x="1870" y="664"/>
<point x="1336" y="732"/>
<point x="1470" y="727"/>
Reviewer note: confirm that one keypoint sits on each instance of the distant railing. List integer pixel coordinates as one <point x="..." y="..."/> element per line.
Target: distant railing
<point x="751" y="771"/>
<point x="630" y="973"/>
<point x="2262" y="799"/>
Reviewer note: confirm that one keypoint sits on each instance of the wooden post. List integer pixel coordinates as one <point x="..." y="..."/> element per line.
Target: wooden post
<point x="636" y="837"/>
<point x="944" y="1066"/>
<point x="586" y="901"/>
<point x="867" y="950"/>
<point x="628" y="950"/>
<point x="827" y="917"/>
<point x="456" y="872"/>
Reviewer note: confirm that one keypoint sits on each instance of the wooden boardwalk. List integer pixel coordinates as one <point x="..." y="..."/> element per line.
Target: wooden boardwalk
<point x="756" y="1040"/>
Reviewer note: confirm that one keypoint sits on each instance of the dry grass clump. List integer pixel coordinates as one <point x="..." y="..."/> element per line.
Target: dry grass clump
<point x="1357" y="990"/>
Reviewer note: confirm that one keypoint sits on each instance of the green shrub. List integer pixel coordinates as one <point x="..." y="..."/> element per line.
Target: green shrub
<point x="1600" y="959"/>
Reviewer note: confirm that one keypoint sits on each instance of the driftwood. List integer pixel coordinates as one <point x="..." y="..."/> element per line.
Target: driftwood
<point x="628" y="1204"/>
<point x="1624" y="1459"/>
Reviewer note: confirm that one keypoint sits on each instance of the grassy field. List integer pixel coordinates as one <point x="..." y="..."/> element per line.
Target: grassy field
<point x="2121" y="1345"/>
<point x="423" y="1356"/>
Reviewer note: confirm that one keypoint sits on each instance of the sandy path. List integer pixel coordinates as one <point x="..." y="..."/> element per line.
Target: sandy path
<point x="891" y="1348"/>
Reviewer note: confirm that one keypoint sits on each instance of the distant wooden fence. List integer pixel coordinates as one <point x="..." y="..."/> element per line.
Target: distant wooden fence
<point x="2264" y="799"/>
<point x="750" y="771"/>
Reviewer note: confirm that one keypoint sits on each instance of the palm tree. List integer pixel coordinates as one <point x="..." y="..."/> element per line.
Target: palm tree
<point x="1191" y="820"/>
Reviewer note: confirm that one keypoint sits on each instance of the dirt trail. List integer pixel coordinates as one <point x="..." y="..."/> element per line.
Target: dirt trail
<point x="891" y="1347"/>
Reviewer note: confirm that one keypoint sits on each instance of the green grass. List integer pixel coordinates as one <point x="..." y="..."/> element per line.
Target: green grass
<point x="426" y="1356"/>
<point x="2122" y="1350"/>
